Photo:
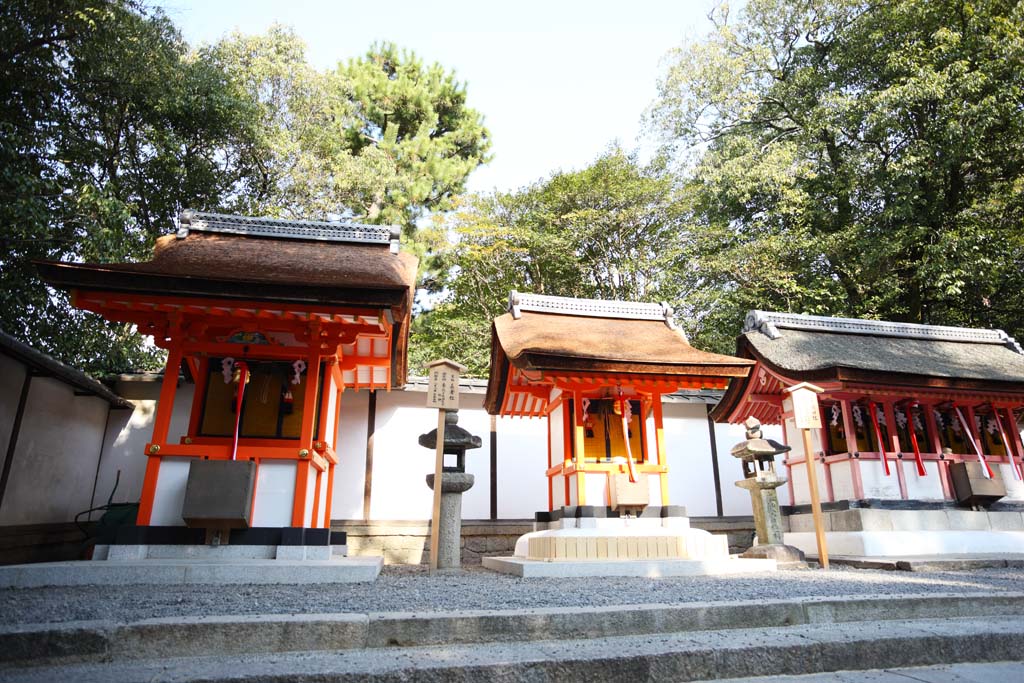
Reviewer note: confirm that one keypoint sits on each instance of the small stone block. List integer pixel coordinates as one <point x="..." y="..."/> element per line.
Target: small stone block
<point x="290" y="552"/>
<point x="592" y="548"/>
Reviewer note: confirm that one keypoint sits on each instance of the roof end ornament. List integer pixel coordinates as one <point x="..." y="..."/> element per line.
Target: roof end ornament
<point x="1011" y="343"/>
<point x="513" y="305"/>
<point x="759" y="321"/>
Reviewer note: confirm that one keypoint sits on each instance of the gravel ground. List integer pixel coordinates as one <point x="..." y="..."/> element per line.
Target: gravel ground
<point x="411" y="589"/>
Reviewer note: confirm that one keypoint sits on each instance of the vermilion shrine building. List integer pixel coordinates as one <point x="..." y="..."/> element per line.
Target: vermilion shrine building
<point x="274" y="320"/>
<point x="597" y="371"/>
<point x="902" y="405"/>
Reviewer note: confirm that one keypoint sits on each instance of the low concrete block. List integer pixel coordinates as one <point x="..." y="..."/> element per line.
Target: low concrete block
<point x="918" y="520"/>
<point x="967" y="520"/>
<point x="127" y="552"/>
<point x="1005" y="520"/>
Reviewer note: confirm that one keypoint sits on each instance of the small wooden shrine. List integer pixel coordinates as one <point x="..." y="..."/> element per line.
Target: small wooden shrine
<point x="273" y="320"/>
<point x="597" y="371"/>
<point x="902" y="403"/>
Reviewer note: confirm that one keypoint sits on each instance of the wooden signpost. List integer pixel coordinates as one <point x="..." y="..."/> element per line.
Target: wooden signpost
<point x="443" y="394"/>
<point x="807" y="416"/>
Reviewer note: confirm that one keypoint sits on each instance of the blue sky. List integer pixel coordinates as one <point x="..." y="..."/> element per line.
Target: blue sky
<point x="557" y="81"/>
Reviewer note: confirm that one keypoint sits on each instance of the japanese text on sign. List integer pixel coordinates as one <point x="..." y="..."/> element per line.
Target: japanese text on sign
<point x="443" y="388"/>
<point x="805" y="409"/>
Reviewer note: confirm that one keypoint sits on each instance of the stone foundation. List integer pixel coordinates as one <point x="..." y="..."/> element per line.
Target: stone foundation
<point x="884" y="533"/>
<point x="408" y="542"/>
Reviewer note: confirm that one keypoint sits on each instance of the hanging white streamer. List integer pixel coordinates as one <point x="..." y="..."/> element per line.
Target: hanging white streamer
<point x="974" y="444"/>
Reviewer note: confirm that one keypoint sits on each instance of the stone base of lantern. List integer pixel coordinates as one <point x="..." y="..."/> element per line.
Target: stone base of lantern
<point x="785" y="556"/>
<point x="453" y="485"/>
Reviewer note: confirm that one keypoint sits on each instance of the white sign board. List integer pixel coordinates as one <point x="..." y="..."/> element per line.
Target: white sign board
<point x="443" y="387"/>
<point x="805" y="409"/>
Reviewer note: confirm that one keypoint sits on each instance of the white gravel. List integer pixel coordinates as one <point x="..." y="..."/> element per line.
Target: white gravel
<point x="411" y="589"/>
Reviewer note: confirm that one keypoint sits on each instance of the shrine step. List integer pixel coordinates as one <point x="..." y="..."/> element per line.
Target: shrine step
<point x="56" y="643"/>
<point x="691" y="656"/>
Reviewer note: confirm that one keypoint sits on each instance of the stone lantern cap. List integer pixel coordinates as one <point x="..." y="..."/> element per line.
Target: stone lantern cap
<point x="456" y="439"/>
<point x="755" y="446"/>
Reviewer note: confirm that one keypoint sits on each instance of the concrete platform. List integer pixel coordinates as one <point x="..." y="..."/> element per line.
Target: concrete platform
<point x="526" y="568"/>
<point x="930" y="563"/>
<point x="885" y="544"/>
<point x="178" y="571"/>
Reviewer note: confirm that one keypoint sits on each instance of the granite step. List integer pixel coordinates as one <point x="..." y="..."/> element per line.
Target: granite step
<point x="689" y="656"/>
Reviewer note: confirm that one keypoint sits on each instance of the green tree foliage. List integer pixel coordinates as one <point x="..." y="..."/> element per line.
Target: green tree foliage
<point x="383" y="138"/>
<point x="613" y="230"/>
<point x="108" y="126"/>
<point x="854" y="158"/>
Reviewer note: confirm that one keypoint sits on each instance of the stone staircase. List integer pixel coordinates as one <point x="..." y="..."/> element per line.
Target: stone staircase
<point x="686" y="642"/>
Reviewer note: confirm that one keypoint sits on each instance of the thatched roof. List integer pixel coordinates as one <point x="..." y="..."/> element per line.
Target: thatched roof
<point x="263" y="268"/>
<point x="814" y="347"/>
<point x="267" y="261"/>
<point x="565" y="344"/>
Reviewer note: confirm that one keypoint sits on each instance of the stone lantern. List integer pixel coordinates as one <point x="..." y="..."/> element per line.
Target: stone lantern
<point x="760" y="478"/>
<point x="454" y="482"/>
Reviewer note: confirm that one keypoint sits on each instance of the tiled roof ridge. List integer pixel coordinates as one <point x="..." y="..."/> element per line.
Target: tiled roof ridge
<point x="769" y="323"/>
<point x="593" y="308"/>
<point x="283" y="228"/>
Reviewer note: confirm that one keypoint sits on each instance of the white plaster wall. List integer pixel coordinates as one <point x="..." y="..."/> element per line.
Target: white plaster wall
<point x="1014" y="487"/>
<point x="127" y="433"/>
<point x="842" y="480"/>
<point x="275" y="493"/>
<point x="400" y="464"/>
<point x="310" y="497"/>
<point x="558" y="498"/>
<point x="350" y="472"/>
<point x="54" y="464"/>
<point x="597" y="489"/>
<point x="522" y="462"/>
<point x="170" y="492"/>
<point x="557" y="435"/>
<point x="688" y="445"/>
<point x="323" y="500"/>
<point x="876" y="483"/>
<point x="928" y="487"/>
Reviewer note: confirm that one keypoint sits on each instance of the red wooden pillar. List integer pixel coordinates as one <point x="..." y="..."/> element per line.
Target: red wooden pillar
<point x="659" y="444"/>
<point x="579" y="448"/>
<point x="826" y="465"/>
<point x="306" y="440"/>
<point x="161" y="426"/>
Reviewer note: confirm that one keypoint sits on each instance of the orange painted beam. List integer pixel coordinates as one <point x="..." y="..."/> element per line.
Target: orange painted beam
<point x="579" y="450"/>
<point x="161" y="426"/>
<point x="306" y="439"/>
